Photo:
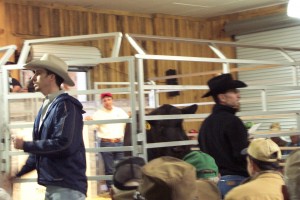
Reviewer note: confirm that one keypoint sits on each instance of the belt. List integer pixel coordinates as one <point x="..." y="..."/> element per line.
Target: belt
<point x="113" y="140"/>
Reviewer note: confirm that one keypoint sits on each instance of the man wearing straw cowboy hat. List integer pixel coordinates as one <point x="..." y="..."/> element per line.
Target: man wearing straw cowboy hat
<point x="57" y="151"/>
<point x="222" y="134"/>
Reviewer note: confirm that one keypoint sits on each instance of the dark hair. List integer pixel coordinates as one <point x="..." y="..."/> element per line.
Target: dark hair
<point x="215" y="98"/>
<point x="10" y="63"/>
<point x="59" y="80"/>
<point x="265" y="165"/>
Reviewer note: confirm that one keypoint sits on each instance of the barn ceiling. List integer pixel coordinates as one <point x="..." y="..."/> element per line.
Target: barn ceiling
<point x="192" y="8"/>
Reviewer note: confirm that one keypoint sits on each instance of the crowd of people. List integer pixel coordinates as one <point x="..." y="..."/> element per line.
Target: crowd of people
<point x="230" y="165"/>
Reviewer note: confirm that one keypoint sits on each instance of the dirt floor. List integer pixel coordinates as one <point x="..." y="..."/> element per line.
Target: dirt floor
<point x="104" y="196"/>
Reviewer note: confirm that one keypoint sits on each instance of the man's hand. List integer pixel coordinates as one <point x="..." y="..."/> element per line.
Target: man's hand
<point x="18" y="141"/>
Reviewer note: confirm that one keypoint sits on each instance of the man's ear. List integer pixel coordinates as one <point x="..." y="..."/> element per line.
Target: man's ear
<point x="52" y="76"/>
<point x="254" y="166"/>
<point x="221" y="98"/>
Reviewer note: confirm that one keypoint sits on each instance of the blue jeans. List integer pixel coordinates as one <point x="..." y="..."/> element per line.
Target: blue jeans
<point x="226" y="183"/>
<point x="109" y="159"/>
<point x="60" y="193"/>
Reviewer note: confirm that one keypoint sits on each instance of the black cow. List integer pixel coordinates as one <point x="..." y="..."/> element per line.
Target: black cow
<point x="165" y="131"/>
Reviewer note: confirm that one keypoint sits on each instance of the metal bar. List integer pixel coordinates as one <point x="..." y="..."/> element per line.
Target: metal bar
<point x="4" y="133"/>
<point x="264" y="100"/>
<point x="242" y="68"/>
<point x="116" y="47"/>
<point x="27" y="43"/>
<point x="141" y="99"/>
<point x="298" y="121"/>
<point x="213" y="60"/>
<point x="90" y="178"/>
<point x="207" y="42"/>
<point x="205" y="87"/>
<point x="109" y="149"/>
<point x="265" y="134"/>
<point x="295" y="72"/>
<point x="171" y="144"/>
<point x="9" y="51"/>
<point x="98" y="61"/>
<point x="214" y="48"/>
<point x="77" y="38"/>
<point x="135" y="45"/>
<point x="108" y="121"/>
<point x="132" y="97"/>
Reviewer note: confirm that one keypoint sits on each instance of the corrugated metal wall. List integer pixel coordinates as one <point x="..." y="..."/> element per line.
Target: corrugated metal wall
<point x="278" y="76"/>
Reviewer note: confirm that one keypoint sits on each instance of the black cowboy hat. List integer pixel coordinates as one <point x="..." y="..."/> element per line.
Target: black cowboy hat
<point x="222" y="83"/>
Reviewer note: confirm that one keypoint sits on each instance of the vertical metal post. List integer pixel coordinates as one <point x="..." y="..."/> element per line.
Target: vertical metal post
<point x="24" y="53"/>
<point x="295" y="75"/>
<point x="2" y="129"/>
<point x="141" y="99"/>
<point x="264" y="100"/>
<point x="117" y="45"/>
<point x="4" y="119"/>
<point x="132" y="98"/>
<point x="298" y="121"/>
<point x="295" y="72"/>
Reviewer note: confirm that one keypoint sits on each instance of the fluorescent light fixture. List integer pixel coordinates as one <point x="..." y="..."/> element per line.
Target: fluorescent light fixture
<point x="293" y="8"/>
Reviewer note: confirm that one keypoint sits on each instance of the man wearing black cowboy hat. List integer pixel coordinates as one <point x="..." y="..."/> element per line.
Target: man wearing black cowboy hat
<point x="222" y="134"/>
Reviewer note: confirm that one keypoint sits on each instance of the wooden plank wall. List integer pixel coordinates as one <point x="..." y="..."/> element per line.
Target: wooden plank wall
<point x="22" y="19"/>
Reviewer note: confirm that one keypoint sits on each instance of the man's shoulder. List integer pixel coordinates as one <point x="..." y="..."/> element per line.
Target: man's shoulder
<point x="240" y="192"/>
<point x="226" y="116"/>
<point x="252" y="190"/>
<point x="66" y="98"/>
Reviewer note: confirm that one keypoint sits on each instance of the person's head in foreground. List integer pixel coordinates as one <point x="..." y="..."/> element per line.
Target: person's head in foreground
<point x="262" y="154"/>
<point x="205" y="165"/>
<point x="169" y="178"/>
<point x="126" y="178"/>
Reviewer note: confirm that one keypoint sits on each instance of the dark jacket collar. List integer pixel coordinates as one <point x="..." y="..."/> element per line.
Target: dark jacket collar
<point x="219" y="108"/>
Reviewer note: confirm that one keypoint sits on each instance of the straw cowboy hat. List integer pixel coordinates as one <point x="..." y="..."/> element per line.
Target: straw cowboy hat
<point x="53" y="64"/>
<point x="222" y="83"/>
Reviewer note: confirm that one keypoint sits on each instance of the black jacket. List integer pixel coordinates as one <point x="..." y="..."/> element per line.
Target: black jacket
<point x="57" y="151"/>
<point x="223" y="136"/>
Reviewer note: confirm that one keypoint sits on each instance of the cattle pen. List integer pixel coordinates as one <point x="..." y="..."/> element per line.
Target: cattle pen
<point x="141" y="93"/>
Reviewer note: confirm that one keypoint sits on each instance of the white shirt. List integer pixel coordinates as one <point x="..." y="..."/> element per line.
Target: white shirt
<point x="110" y="131"/>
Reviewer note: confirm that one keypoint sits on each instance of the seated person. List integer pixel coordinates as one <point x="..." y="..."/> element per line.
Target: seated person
<point x="292" y="175"/>
<point x="14" y="84"/>
<point x="126" y="178"/>
<point x="266" y="181"/>
<point x="282" y="140"/>
<point x="295" y="139"/>
<point x="206" y="170"/>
